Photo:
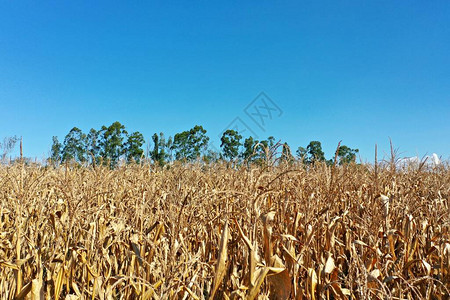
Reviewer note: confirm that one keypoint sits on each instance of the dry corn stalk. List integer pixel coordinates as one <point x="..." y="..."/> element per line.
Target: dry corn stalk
<point x="297" y="233"/>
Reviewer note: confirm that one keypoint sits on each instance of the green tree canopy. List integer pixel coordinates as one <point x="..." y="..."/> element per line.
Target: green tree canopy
<point x="159" y="154"/>
<point x="189" y="145"/>
<point x="93" y="145"/>
<point x="230" y="144"/>
<point x="112" y="142"/>
<point x="255" y="151"/>
<point x="249" y="147"/>
<point x="133" y="147"/>
<point x="108" y="144"/>
<point x="313" y="153"/>
<point x="286" y="154"/>
<point x="346" y="155"/>
<point x="55" y="156"/>
<point x="301" y="153"/>
<point x="74" y="146"/>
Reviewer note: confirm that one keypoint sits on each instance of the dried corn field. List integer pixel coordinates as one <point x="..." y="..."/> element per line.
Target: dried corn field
<point x="214" y="232"/>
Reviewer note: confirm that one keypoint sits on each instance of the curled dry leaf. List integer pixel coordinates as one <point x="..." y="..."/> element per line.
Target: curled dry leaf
<point x="280" y="285"/>
<point x="220" y="268"/>
<point x="329" y="266"/>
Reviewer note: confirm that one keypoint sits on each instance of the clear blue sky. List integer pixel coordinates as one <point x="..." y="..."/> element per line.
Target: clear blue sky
<point x="356" y="71"/>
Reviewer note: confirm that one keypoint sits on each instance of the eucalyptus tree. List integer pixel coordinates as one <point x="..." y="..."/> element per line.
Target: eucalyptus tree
<point x="191" y="144"/>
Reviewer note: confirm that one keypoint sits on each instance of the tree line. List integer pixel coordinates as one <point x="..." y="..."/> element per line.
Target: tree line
<point x="113" y="144"/>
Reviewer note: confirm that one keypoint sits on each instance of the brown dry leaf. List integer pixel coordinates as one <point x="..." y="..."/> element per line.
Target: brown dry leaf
<point x="312" y="283"/>
<point x="24" y="292"/>
<point x="259" y="276"/>
<point x="221" y="261"/>
<point x="252" y="259"/>
<point x="358" y="242"/>
<point x="374" y="275"/>
<point x="10" y="265"/>
<point x="59" y="282"/>
<point x="268" y="247"/>
<point x="336" y="287"/>
<point x="280" y="285"/>
<point x="188" y="290"/>
<point x="134" y="243"/>
<point x="37" y="291"/>
<point x="290" y="238"/>
<point x="426" y="266"/>
<point x="329" y="265"/>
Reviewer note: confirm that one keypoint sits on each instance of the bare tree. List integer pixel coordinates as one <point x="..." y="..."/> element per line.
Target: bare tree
<point x="8" y="145"/>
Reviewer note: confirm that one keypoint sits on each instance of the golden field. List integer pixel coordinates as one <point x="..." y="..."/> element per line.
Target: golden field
<point x="198" y="231"/>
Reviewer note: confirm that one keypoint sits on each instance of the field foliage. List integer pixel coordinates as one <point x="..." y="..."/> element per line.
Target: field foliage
<point x="199" y="231"/>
